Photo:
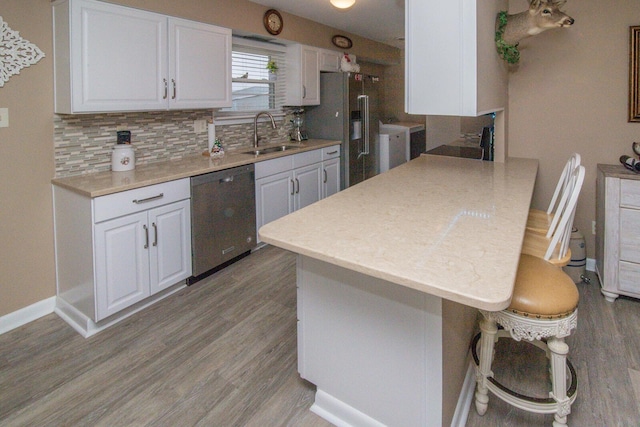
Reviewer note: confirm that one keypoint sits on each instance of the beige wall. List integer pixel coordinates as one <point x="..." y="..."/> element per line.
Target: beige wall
<point x="570" y="95"/>
<point x="27" y="273"/>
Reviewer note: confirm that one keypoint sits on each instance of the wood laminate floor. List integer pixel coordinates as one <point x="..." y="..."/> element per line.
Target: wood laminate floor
<point x="223" y="353"/>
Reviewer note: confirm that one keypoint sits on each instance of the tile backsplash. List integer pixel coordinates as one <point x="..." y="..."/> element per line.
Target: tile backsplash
<point x="83" y="143"/>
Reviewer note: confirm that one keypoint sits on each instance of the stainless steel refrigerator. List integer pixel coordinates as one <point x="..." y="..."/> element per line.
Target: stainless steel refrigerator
<point x="349" y="112"/>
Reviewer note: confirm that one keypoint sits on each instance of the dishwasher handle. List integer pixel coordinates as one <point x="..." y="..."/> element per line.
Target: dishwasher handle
<point x="222" y="176"/>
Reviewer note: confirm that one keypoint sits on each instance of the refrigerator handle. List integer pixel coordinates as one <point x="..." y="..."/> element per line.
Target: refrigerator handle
<point x="364" y="100"/>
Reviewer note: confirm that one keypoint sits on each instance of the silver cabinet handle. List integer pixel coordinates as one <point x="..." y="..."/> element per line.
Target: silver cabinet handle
<point x="298" y="186"/>
<point x="325" y="175"/>
<point x="364" y="100"/>
<point x="166" y="89"/>
<point x="146" y="236"/>
<point x="148" y="199"/>
<point x="304" y="91"/>
<point x="293" y="187"/>
<point x="155" y="235"/>
<point x="332" y="152"/>
<point x="173" y="82"/>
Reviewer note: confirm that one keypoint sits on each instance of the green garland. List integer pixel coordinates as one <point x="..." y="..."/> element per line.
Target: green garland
<point x="508" y="52"/>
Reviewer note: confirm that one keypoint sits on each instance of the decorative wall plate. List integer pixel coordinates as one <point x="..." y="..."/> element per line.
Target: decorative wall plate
<point x="343" y="42"/>
<point x="16" y="53"/>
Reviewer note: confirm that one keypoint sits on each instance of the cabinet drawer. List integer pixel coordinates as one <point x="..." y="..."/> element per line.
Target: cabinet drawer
<point x="307" y="158"/>
<point x="630" y="193"/>
<point x="331" y="152"/>
<point x="629" y="277"/>
<point x="130" y="201"/>
<point x="630" y="235"/>
<point x="273" y="166"/>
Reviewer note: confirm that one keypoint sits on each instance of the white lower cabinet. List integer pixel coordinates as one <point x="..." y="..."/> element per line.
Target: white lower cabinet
<point x="274" y="197"/>
<point x="286" y="184"/>
<point x="308" y="185"/>
<point x="115" y="251"/>
<point x="330" y="170"/>
<point x="141" y="254"/>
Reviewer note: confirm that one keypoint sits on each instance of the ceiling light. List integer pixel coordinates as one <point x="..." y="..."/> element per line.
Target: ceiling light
<point x="343" y="4"/>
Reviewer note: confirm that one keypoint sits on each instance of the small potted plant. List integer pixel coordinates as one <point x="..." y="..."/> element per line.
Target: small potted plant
<point x="273" y="69"/>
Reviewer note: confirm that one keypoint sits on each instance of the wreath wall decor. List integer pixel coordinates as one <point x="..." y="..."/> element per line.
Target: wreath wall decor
<point x="16" y="53"/>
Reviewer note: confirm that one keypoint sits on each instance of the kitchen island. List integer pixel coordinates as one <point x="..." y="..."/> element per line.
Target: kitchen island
<point x="390" y="274"/>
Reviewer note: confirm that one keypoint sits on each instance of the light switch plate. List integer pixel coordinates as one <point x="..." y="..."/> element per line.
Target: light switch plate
<point x="4" y="117"/>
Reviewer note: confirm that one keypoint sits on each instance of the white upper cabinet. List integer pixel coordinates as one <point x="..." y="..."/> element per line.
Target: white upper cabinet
<point x="452" y="67"/>
<point x="114" y="58"/>
<point x="303" y="75"/>
<point x="199" y="65"/>
<point x="330" y="60"/>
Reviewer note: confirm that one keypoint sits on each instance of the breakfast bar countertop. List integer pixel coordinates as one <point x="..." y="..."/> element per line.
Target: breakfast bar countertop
<point x="445" y="226"/>
<point x="103" y="183"/>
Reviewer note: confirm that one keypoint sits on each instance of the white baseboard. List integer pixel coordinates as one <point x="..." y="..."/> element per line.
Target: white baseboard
<point x="466" y="397"/>
<point x="27" y="314"/>
<point x="591" y="264"/>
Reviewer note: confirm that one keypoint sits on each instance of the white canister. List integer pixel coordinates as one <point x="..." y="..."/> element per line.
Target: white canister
<point x="123" y="158"/>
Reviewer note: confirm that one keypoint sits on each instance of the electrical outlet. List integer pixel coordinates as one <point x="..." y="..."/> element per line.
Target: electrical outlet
<point x="199" y="126"/>
<point x="593" y="227"/>
<point x="4" y="117"/>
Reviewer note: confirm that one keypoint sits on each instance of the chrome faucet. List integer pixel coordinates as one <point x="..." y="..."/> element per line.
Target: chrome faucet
<point x="255" y="126"/>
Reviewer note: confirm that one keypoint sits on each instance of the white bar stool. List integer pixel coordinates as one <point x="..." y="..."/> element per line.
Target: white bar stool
<point x="543" y="310"/>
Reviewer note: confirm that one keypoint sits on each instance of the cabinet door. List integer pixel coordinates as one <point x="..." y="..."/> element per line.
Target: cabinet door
<point x="118" y="58"/>
<point x="170" y="245"/>
<point x="200" y="65"/>
<point x="122" y="263"/>
<point x="331" y="178"/>
<point x="452" y="67"/>
<point x="330" y="61"/>
<point x="274" y="197"/>
<point x="308" y="182"/>
<point x="630" y="235"/>
<point x="310" y="77"/>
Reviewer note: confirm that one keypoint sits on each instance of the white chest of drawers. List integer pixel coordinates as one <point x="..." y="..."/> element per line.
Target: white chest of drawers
<point x="618" y="231"/>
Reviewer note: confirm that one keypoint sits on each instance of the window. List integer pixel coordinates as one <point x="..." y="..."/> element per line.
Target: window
<point x="254" y="87"/>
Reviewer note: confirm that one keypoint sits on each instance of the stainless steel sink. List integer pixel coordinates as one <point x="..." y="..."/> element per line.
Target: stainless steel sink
<point x="267" y="150"/>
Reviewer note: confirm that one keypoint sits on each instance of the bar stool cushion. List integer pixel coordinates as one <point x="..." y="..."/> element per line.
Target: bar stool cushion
<point x="542" y="290"/>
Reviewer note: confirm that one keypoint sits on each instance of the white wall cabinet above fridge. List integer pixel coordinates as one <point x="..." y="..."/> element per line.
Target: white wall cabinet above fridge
<point x="452" y="67"/>
<point x="114" y="58"/>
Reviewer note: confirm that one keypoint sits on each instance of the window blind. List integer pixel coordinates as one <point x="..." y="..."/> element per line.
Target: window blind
<point x="254" y="88"/>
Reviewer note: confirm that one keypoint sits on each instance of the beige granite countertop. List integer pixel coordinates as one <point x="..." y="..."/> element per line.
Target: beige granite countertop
<point x="618" y="171"/>
<point x="103" y="183"/>
<point x="446" y="226"/>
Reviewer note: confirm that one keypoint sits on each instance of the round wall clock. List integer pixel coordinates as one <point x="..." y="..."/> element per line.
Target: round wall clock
<point x="343" y="42"/>
<point x="273" y="21"/>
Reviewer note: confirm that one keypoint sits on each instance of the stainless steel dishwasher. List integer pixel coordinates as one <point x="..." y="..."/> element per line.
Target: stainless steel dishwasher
<point x="223" y="218"/>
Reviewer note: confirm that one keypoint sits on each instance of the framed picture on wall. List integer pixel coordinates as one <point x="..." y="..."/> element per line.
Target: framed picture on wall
<point x="634" y="74"/>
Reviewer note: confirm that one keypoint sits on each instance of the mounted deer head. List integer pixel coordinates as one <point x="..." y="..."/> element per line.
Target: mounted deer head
<point x="541" y="16"/>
